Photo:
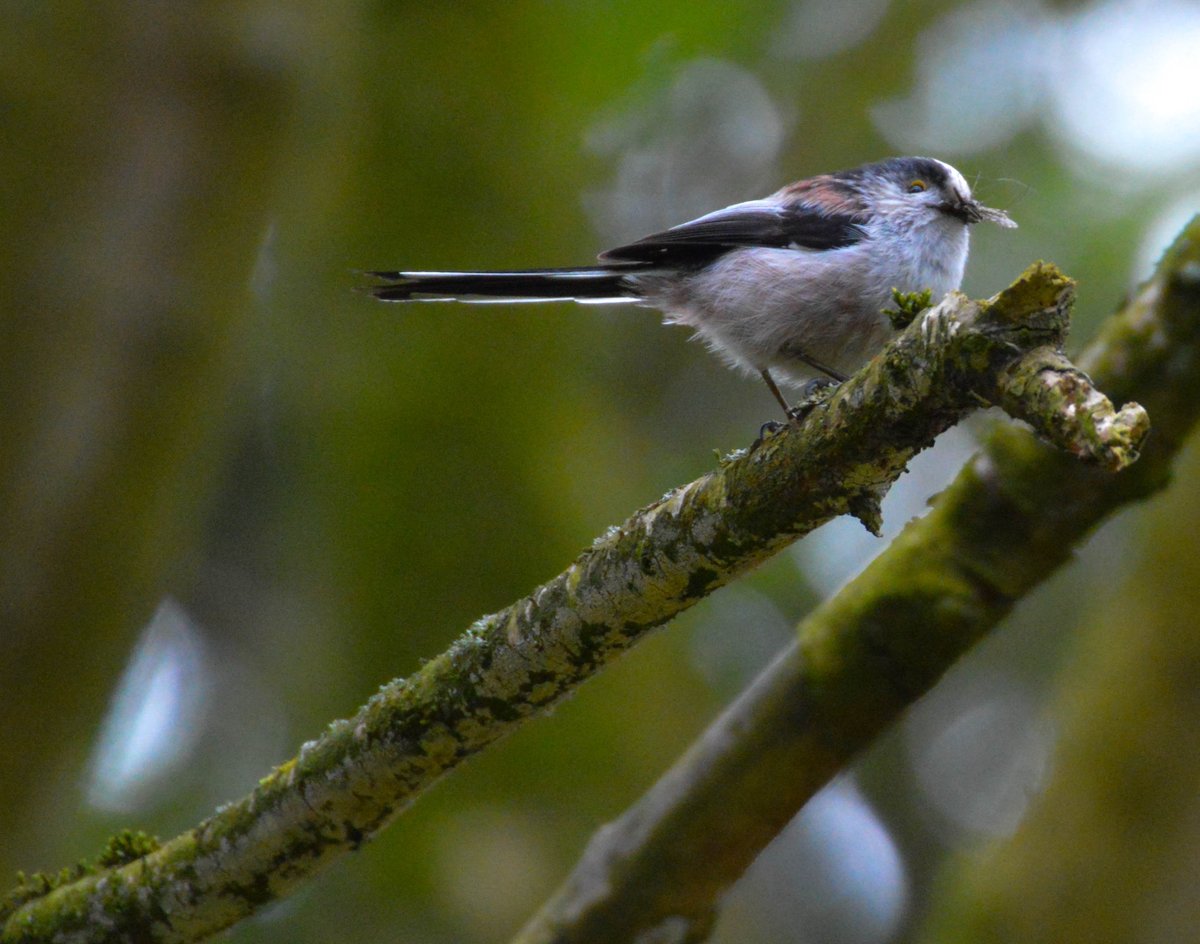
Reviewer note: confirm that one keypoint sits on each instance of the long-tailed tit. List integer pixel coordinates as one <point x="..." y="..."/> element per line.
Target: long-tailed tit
<point x="792" y="286"/>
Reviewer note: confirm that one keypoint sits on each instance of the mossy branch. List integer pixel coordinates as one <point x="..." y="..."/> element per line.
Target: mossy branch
<point x="515" y="664"/>
<point x="1014" y="514"/>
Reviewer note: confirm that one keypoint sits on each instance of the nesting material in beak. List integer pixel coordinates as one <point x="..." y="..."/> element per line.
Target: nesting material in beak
<point x="984" y="214"/>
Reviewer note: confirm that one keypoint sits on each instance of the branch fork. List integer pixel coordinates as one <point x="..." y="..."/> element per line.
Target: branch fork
<point x="517" y="663"/>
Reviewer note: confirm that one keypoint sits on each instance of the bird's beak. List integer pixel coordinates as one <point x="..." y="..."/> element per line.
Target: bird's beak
<point x="972" y="211"/>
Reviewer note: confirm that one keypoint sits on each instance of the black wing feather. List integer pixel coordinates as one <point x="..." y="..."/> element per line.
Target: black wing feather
<point x="790" y="226"/>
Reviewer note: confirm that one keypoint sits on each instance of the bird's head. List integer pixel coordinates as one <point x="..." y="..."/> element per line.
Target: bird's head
<point x="921" y="190"/>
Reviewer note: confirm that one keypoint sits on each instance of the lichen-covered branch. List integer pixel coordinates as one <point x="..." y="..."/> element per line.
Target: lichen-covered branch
<point x="1107" y="852"/>
<point x="510" y="666"/>
<point x="1014" y="514"/>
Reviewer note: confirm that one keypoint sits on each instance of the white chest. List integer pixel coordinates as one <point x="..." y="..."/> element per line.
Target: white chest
<point x="933" y="256"/>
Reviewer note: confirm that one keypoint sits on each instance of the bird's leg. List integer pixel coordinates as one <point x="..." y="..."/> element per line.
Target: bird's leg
<point x="812" y="390"/>
<point x="766" y="375"/>
<point x="835" y="375"/>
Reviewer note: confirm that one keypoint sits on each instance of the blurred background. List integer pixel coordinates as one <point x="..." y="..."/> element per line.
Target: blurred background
<point x="236" y="496"/>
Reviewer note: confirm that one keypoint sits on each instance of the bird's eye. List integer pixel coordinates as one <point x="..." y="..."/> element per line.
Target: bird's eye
<point x="917" y="186"/>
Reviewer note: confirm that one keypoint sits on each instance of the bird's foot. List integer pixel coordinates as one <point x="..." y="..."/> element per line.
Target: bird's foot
<point x="811" y="394"/>
<point x="815" y="392"/>
<point x="766" y="431"/>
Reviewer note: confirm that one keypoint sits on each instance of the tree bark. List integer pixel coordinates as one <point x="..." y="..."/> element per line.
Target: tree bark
<point x="515" y="664"/>
<point x="1015" y="513"/>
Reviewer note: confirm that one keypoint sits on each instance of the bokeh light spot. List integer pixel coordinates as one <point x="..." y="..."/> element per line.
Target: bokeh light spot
<point x="155" y="715"/>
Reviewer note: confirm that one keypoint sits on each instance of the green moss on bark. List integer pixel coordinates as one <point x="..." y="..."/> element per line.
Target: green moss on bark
<point x="510" y="666"/>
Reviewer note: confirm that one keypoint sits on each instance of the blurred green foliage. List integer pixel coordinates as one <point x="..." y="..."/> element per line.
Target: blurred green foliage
<point x="194" y="403"/>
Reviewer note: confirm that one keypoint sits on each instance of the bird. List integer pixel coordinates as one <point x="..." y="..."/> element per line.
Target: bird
<point x="791" y="287"/>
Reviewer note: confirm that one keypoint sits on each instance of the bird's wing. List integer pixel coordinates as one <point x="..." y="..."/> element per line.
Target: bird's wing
<point x="787" y="225"/>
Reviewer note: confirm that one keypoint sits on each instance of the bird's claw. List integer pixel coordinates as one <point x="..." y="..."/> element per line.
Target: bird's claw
<point x="811" y="394"/>
<point x="769" y="428"/>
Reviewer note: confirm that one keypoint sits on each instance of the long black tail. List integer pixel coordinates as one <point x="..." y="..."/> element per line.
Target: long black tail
<point x="589" y="284"/>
